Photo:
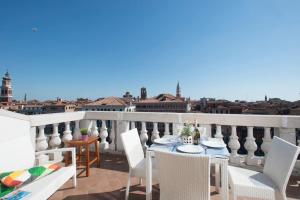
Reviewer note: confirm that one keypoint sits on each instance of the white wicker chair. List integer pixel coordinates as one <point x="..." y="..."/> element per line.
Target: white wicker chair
<point x="135" y="157"/>
<point x="271" y="184"/>
<point x="183" y="177"/>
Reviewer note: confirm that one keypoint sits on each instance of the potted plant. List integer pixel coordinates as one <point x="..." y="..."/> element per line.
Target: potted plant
<point x="187" y="134"/>
<point x="84" y="134"/>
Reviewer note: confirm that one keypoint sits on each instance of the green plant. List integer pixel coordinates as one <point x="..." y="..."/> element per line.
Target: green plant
<point x="84" y="131"/>
<point x="187" y="130"/>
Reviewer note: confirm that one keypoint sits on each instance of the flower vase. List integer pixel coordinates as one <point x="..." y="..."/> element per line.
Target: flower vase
<point x="84" y="138"/>
<point x="187" y="139"/>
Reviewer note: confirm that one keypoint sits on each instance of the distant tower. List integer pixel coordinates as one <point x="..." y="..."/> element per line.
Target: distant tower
<point x="266" y="98"/>
<point x="6" y="89"/>
<point x="178" y="91"/>
<point x="143" y="93"/>
<point x="25" y="98"/>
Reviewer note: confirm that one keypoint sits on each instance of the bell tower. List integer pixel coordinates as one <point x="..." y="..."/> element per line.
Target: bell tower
<point x="178" y="91"/>
<point x="6" y="89"/>
<point x="143" y="93"/>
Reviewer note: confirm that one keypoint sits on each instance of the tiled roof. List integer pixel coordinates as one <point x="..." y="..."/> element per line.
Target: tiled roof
<point x="162" y="98"/>
<point x="111" y="101"/>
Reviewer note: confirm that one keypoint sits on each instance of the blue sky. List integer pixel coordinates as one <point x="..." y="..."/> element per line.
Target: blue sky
<point x="223" y="49"/>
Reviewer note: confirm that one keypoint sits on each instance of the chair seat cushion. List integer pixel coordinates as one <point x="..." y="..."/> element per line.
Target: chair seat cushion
<point x="140" y="169"/>
<point x="250" y="183"/>
<point x="15" y="179"/>
<point x="46" y="186"/>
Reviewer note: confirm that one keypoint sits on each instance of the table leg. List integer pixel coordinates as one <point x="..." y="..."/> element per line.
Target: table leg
<point x="87" y="153"/>
<point x="97" y="153"/>
<point x="224" y="181"/>
<point x="79" y="155"/>
<point x="148" y="176"/>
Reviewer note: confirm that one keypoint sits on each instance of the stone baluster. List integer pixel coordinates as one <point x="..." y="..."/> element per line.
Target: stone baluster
<point x="219" y="134"/>
<point x="77" y="133"/>
<point x="132" y="124"/>
<point x="176" y="129"/>
<point x="112" y="136"/>
<point x="55" y="142"/>
<point x="207" y="129"/>
<point x="155" y="132"/>
<point x="94" y="129"/>
<point x="267" y="140"/>
<point x="41" y="145"/>
<point x="41" y="140"/>
<point x="67" y="133"/>
<point x="288" y="134"/>
<point x="167" y="129"/>
<point x="103" y="135"/>
<point x="234" y="145"/>
<point x="250" y="146"/>
<point x="144" y="135"/>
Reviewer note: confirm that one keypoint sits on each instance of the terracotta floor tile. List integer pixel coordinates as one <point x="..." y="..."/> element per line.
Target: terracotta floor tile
<point x="109" y="181"/>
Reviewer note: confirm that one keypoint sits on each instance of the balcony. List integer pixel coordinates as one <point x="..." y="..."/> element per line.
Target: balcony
<point x="248" y="137"/>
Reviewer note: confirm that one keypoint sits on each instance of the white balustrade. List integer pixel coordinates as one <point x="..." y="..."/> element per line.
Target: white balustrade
<point x="77" y="133"/>
<point x="155" y="132"/>
<point x="144" y="135"/>
<point x="112" y="136"/>
<point x="41" y="145"/>
<point x="103" y="135"/>
<point x="94" y="129"/>
<point x="132" y="124"/>
<point x="167" y="129"/>
<point x="176" y="129"/>
<point x="207" y="129"/>
<point x="267" y="140"/>
<point x="41" y="140"/>
<point x="251" y="146"/>
<point x="219" y="134"/>
<point x="67" y="133"/>
<point x="55" y="140"/>
<point x="234" y="145"/>
<point x="284" y="127"/>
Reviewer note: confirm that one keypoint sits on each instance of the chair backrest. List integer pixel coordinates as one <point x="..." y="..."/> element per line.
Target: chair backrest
<point x="280" y="162"/>
<point x="133" y="147"/>
<point x="183" y="177"/>
<point x="16" y="147"/>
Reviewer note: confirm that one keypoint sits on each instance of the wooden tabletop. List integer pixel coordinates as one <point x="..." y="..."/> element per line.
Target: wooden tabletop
<point x="90" y="140"/>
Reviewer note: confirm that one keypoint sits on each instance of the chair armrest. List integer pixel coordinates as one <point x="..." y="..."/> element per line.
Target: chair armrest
<point x="71" y="149"/>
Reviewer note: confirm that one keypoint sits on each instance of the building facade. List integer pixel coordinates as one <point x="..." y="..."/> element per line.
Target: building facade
<point x="163" y="102"/>
<point x="109" y="104"/>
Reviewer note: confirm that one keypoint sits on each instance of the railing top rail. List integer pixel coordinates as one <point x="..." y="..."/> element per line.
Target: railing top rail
<point x="45" y="119"/>
<point x="283" y="121"/>
<point x="6" y="113"/>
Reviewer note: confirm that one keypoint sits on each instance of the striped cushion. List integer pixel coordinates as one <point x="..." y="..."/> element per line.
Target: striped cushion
<point x="13" y="180"/>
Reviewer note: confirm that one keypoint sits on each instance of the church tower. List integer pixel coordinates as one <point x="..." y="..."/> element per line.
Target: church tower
<point x="6" y="89"/>
<point x="143" y="93"/>
<point x="178" y="91"/>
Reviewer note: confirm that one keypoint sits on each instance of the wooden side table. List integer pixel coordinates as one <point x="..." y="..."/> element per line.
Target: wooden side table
<point x="79" y="145"/>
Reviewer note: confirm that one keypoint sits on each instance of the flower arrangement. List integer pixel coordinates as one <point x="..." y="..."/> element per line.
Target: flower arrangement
<point x="187" y="134"/>
<point x="190" y="133"/>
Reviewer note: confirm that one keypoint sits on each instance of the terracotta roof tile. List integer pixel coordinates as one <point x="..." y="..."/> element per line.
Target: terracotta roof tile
<point x="111" y="101"/>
